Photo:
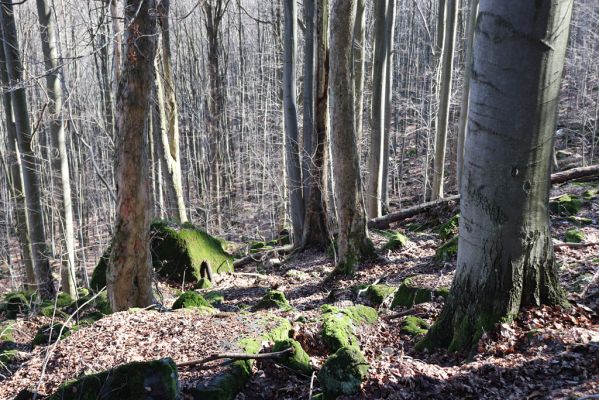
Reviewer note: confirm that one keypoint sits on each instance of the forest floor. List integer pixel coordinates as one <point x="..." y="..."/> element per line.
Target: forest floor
<point x="546" y="353"/>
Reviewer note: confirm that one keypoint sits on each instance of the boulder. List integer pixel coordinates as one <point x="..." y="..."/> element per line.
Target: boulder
<point x="343" y="373"/>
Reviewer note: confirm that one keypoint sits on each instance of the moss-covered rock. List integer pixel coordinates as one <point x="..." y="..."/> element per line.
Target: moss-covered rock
<point x="590" y="194"/>
<point x="17" y="303"/>
<point x="50" y="333"/>
<point x="395" y="241"/>
<point x="448" y="250"/>
<point x="377" y="294"/>
<point x="343" y="373"/>
<point x="414" y="326"/>
<point x="574" y="236"/>
<point x="190" y="300"/>
<point x="51" y="312"/>
<point x="214" y="298"/>
<point x="450" y="228"/>
<point x="580" y="221"/>
<point x="203" y="283"/>
<point x="134" y="381"/>
<point x="339" y="324"/>
<point x="178" y="251"/>
<point x="273" y="299"/>
<point x="98" y="280"/>
<point x="299" y="361"/>
<point x="566" y="205"/>
<point x="409" y="294"/>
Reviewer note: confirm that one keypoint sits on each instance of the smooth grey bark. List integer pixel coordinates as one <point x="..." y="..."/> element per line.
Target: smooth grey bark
<point x="14" y="176"/>
<point x="359" y="63"/>
<point x="57" y="128"/>
<point x="445" y="83"/>
<point x="352" y="239"/>
<point x="292" y="156"/>
<point x="463" y="121"/>
<point x="29" y="168"/>
<point x="117" y="46"/>
<point x="376" y="153"/>
<point x="316" y="232"/>
<point x="129" y="278"/>
<point x="505" y="258"/>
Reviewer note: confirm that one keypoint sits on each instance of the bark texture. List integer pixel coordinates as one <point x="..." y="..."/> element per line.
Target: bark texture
<point x="505" y="258"/>
<point x="352" y="240"/>
<point x="130" y="272"/>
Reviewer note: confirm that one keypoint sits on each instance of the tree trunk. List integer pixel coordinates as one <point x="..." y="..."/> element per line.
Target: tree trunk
<point x="61" y="163"/>
<point x="316" y="232"/>
<point x="169" y="116"/>
<point x="130" y="270"/>
<point x="451" y="20"/>
<point x="359" y="62"/>
<point x="294" y="175"/>
<point x="353" y="240"/>
<point x="29" y="168"/>
<point x="376" y="155"/>
<point x="505" y="258"/>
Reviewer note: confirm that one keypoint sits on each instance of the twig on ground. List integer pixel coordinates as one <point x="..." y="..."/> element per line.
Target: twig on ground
<point x="237" y="356"/>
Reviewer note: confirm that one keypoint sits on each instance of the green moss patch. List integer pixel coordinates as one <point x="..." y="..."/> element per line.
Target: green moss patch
<point x="98" y="280"/>
<point x="8" y="356"/>
<point x="566" y="205"/>
<point x="273" y="299"/>
<point x="50" y="333"/>
<point x="377" y="294"/>
<point x="414" y="326"/>
<point x="17" y="303"/>
<point x="299" y="361"/>
<point x="395" y="240"/>
<point x="590" y="194"/>
<point x="190" y="300"/>
<point x="574" y="236"/>
<point x="134" y="381"/>
<point x="450" y="228"/>
<point x="203" y="283"/>
<point x="448" y="250"/>
<point x="339" y="324"/>
<point x="409" y="294"/>
<point x="214" y="298"/>
<point x="343" y="373"/>
<point x="580" y="221"/>
<point x="7" y="332"/>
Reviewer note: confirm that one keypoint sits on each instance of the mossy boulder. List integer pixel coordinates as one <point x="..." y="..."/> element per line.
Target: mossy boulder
<point x="273" y="299"/>
<point x="566" y="205"/>
<point x="343" y="373"/>
<point x="98" y="280"/>
<point x="50" y="333"/>
<point x="178" y="251"/>
<point x="214" y="298"/>
<point x="190" y="300"/>
<point x="377" y="294"/>
<point x="409" y="294"/>
<point x="134" y="381"/>
<point x="414" y="326"/>
<point x="574" y="236"/>
<point x="395" y="241"/>
<point x="203" y="283"/>
<point x="450" y="228"/>
<point x="299" y="361"/>
<point x="448" y="250"/>
<point x="339" y="324"/>
<point x="17" y="303"/>
<point x="580" y="221"/>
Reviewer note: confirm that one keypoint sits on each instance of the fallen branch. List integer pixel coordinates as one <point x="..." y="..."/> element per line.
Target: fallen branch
<point x="560" y="177"/>
<point x="237" y="356"/>
<point x="574" y="245"/>
<point x="413" y="312"/>
<point x="259" y="255"/>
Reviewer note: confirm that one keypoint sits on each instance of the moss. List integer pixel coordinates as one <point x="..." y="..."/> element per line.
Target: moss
<point x="273" y="299"/>
<point x="566" y="205"/>
<point x="414" y="326"/>
<point x="338" y="331"/>
<point x="442" y="292"/>
<point x="450" y="228"/>
<point x="17" y="303"/>
<point x="203" y="283"/>
<point x="102" y="304"/>
<point x="280" y="332"/>
<point x="178" y="251"/>
<point x="82" y="292"/>
<point x="299" y="361"/>
<point x="580" y="221"/>
<point x="359" y="314"/>
<point x="574" y="236"/>
<point x="190" y="300"/>
<point x="448" y="250"/>
<point x="63" y="300"/>
<point x="50" y="333"/>
<point x="395" y="241"/>
<point x="407" y="295"/>
<point x="378" y="293"/>
<point x="256" y="245"/>
<point x="590" y="194"/>
<point x="8" y="356"/>
<point x="7" y="333"/>
<point x="98" y="281"/>
<point x="214" y="298"/>
<point x="134" y="381"/>
<point x="343" y="373"/>
<point x="50" y="312"/>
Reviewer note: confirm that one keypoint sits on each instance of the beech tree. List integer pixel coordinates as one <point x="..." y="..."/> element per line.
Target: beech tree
<point x="129" y="277"/>
<point x="506" y="258"/>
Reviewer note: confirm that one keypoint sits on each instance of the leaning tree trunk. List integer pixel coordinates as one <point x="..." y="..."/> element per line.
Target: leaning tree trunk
<point x="29" y="168"/>
<point x="505" y="258"/>
<point x="449" y="36"/>
<point x="376" y="153"/>
<point x="292" y="157"/>
<point x="53" y="81"/>
<point x="130" y="272"/>
<point x="353" y="235"/>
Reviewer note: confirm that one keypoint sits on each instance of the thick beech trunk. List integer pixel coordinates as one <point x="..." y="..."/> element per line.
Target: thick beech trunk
<point x="130" y="271"/>
<point x="505" y="258"/>
<point x="359" y="62"/>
